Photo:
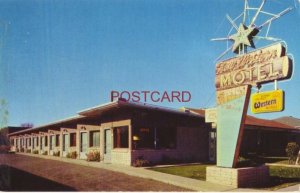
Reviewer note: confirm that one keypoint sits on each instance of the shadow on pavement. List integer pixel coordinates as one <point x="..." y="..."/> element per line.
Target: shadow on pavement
<point x="13" y="179"/>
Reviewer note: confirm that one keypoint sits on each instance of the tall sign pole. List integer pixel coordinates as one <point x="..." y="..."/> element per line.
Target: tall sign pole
<point x="236" y="76"/>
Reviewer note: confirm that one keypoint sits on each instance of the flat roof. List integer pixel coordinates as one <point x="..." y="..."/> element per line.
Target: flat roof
<point x="100" y="109"/>
<point x="254" y="121"/>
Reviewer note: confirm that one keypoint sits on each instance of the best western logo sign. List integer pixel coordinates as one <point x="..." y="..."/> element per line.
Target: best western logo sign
<point x="261" y="66"/>
<point x="265" y="102"/>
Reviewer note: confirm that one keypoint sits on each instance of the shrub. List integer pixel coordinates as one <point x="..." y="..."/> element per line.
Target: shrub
<point x="45" y="153"/>
<point x="285" y="172"/>
<point x="22" y="149"/>
<point x="4" y="148"/>
<point x="72" y="155"/>
<point x="28" y="150"/>
<point x="93" y="156"/>
<point x="56" y="153"/>
<point x="141" y="162"/>
<point x="35" y="151"/>
<point x="292" y="150"/>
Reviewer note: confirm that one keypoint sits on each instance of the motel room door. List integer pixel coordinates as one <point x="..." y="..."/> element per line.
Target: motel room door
<point x="52" y="143"/>
<point x="66" y="141"/>
<point x="41" y="143"/>
<point x="83" y="145"/>
<point x="107" y="145"/>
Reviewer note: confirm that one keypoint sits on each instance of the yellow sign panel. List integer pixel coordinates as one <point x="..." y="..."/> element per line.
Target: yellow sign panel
<point x="266" y="102"/>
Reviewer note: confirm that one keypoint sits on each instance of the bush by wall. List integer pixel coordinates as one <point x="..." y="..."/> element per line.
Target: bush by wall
<point x="94" y="156"/>
<point x="141" y="162"/>
<point x="56" y="153"/>
<point x="35" y="151"/>
<point x="72" y="155"/>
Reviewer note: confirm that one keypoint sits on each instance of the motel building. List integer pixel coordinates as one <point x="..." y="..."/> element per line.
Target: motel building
<point x="123" y="132"/>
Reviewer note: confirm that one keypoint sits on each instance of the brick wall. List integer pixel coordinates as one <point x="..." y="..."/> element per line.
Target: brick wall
<point x="121" y="156"/>
<point x="238" y="177"/>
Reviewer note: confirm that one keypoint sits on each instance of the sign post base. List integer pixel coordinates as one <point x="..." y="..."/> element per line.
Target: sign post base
<point x="238" y="177"/>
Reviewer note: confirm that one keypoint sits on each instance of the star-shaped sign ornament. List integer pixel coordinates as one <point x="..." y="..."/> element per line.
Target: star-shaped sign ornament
<point x="243" y="38"/>
<point x="246" y="34"/>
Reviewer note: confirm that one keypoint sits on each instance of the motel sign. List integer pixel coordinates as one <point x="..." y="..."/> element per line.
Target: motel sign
<point x="237" y="75"/>
<point x="234" y="79"/>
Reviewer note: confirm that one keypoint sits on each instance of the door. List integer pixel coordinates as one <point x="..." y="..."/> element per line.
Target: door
<point x="107" y="145"/>
<point x="212" y="146"/>
<point x="66" y="141"/>
<point x="33" y="144"/>
<point x="83" y="145"/>
<point x="52" y="142"/>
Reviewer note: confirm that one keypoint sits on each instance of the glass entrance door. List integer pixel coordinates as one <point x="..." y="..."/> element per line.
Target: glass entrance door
<point x="212" y="146"/>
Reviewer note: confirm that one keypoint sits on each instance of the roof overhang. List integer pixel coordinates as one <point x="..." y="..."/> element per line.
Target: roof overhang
<point x="53" y="124"/>
<point x="121" y="104"/>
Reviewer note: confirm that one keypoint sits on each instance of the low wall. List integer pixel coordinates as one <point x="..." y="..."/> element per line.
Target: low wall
<point x="238" y="177"/>
<point x="121" y="156"/>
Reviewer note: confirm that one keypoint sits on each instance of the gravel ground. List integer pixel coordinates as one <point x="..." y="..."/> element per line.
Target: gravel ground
<point x="24" y="173"/>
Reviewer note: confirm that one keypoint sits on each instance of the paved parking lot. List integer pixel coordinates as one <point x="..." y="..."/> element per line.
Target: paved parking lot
<point x="25" y="173"/>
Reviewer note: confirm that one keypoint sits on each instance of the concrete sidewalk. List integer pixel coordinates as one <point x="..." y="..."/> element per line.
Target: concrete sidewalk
<point x="192" y="184"/>
<point x="295" y="188"/>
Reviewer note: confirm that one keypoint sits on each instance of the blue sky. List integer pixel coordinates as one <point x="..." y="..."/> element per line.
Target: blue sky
<point x="59" y="57"/>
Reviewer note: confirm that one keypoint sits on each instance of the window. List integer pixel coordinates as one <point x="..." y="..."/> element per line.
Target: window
<point x="12" y="142"/>
<point x="29" y="141"/>
<point x="154" y="137"/>
<point x="33" y="142"/>
<point x="46" y="140"/>
<point x="57" y="140"/>
<point x="72" y="139"/>
<point x="166" y="137"/>
<point x="94" y="138"/>
<point x="143" y="138"/>
<point x="121" y="137"/>
<point x="36" y="141"/>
